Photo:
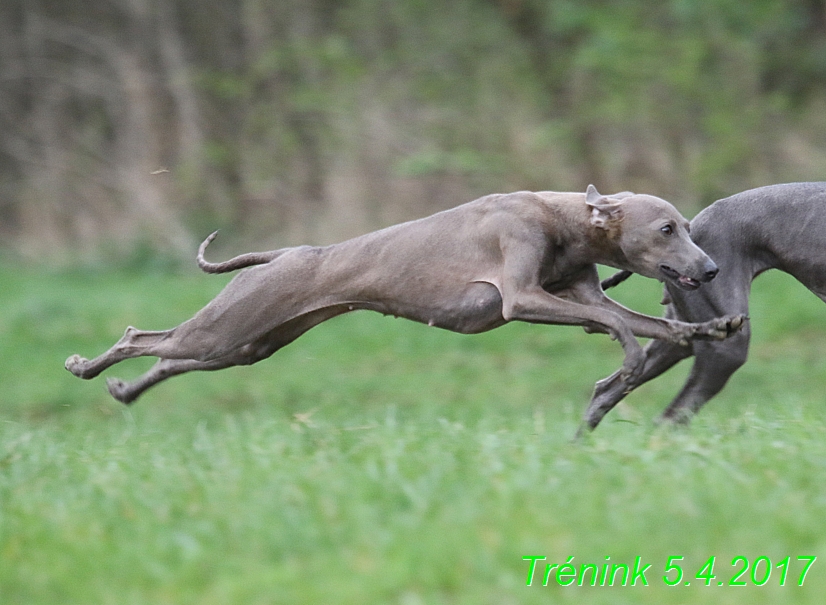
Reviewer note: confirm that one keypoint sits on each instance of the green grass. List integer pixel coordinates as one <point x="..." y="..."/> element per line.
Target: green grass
<point x="381" y="461"/>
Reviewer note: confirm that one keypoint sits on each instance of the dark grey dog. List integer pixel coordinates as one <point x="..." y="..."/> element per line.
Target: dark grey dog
<point x="775" y="227"/>
<point x="519" y="256"/>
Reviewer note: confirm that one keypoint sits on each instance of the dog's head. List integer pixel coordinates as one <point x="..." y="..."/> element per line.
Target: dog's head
<point x="652" y="236"/>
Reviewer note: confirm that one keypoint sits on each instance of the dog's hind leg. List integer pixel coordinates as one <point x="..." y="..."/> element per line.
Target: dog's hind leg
<point x="181" y="342"/>
<point x="133" y="343"/>
<point x="608" y="392"/>
<point x="127" y="392"/>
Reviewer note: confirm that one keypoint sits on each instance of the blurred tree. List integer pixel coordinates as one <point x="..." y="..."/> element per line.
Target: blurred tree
<point x="156" y="121"/>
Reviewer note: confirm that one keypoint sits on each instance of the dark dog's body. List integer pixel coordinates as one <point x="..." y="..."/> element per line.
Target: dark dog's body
<point x="775" y="227"/>
<point x="521" y="256"/>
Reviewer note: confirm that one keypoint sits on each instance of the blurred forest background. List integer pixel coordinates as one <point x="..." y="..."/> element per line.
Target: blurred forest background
<point x="149" y="123"/>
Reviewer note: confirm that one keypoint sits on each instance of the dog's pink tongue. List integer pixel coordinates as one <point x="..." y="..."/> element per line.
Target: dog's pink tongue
<point x="687" y="281"/>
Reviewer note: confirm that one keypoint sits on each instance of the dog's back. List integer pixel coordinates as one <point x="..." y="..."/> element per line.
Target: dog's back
<point x="775" y="227"/>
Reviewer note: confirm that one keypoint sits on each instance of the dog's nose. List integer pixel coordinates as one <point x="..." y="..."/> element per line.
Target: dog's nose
<point x="711" y="273"/>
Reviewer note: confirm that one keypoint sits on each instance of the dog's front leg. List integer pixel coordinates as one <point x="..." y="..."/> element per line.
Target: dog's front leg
<point x="719" y="328"/>
<point x="587" y="291"/>
<point x="674" y="331"/>
<point x="524" y="299"/>
<point x="535" y="305"/>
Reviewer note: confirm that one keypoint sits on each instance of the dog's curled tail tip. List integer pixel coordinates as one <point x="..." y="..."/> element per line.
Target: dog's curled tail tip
<point x="202" y="262"/>
<point x="208" y="240"/>
<point x="233" y="264"/>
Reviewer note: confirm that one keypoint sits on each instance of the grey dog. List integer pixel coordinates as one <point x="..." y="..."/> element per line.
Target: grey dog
<point x="503" y="257"/>
<point x="774" y="227"/>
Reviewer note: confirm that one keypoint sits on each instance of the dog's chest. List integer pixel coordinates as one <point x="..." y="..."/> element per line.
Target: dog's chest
<point x="561" y="267"/>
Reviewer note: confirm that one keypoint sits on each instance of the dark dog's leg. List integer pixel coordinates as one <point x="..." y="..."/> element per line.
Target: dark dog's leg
<point x="608" y="392"/>
<point x="714" y="363"/>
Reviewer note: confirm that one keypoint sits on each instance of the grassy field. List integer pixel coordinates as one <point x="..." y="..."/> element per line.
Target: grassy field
<point x="381" y="461"/>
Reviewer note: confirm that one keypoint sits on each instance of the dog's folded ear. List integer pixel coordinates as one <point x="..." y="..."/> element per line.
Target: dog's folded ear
<point x="603" y="209"/>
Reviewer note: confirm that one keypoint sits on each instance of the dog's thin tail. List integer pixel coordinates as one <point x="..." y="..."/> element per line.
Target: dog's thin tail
<point x="616" y="279"/>
<point x="233" y="264"/>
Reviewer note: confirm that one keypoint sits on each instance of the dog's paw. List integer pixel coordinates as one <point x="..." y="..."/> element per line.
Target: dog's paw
<point x="76" y="365"/>
<point x="119" y="390"/>
<point x="715" y="329"/>
<point x="723" y="327"/>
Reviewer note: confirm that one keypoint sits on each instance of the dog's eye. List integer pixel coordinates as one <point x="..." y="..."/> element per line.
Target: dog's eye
<point x="667" y="229"/>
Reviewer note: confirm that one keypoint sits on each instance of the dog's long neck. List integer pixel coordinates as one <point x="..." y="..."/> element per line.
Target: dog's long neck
<point x="601" y="245"/>
<point x="578" y="243"/>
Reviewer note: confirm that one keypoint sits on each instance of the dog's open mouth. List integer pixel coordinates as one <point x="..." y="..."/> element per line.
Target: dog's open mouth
<point x="683" y="281"/>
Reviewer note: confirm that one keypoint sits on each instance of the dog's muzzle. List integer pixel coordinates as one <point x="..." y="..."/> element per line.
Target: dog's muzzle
<point x="685" y="282"/>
